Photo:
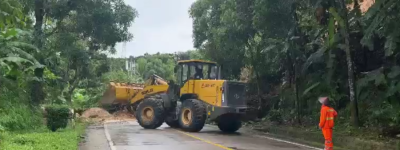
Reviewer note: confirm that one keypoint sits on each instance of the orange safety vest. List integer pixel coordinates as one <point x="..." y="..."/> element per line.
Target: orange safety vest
<point x="327" y="119"/>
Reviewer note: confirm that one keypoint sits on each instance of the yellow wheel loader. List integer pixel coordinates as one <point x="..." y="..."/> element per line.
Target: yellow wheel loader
<point x="197" y="97"/>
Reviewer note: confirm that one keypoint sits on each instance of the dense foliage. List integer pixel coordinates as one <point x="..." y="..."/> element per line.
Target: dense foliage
<point x="295" y="51"/>
<point x="54" y="52"/>
<point x="58" y="56"/>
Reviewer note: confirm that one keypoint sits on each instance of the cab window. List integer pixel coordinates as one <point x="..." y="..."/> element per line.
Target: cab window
<point x="213" y="72"/>
<point x="192" y="72"/>
<point x="185" y="70"/>
<point x="206" y="69"/>
<point x="178" y="75"/>
<point x="203" y="71"/>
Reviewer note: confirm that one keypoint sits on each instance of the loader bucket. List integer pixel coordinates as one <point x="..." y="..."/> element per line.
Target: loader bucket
<point x="120" y="93"/>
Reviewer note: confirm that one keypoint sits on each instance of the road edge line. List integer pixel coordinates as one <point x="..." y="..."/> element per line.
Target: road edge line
<point x="263" y="135"/>
<point x="284" y="141"/>
<point x="110" y="143"/>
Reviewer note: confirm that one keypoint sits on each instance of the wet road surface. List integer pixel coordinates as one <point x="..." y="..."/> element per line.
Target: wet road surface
<point x="128" y="135"/>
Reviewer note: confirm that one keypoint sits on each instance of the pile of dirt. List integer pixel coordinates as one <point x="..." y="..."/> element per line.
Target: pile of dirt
<point x="98" y="113"/>
<point x="123" y="114"/>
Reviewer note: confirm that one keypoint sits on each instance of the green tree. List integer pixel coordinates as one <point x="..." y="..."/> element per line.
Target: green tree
<point x="215" y="34"/>
<point x="98" y="24"/>
<point x="159" y="64"/>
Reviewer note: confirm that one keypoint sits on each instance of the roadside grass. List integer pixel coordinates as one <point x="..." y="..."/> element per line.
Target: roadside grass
<point x="43" y="139"/>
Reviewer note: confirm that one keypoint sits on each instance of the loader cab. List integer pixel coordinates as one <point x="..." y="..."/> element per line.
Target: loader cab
<point x="196" y="70"/>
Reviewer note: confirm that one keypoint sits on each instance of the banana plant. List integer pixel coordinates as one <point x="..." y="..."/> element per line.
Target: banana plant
<point x="11" y="14"/>
<point x="14" y="57"/>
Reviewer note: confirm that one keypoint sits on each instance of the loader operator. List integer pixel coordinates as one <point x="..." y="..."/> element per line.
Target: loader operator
<point x="326" y="123"/>
<point x="199" y="72"/>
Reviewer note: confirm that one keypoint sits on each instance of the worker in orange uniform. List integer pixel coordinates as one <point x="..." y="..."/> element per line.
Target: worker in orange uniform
<point x="326" y="123"/>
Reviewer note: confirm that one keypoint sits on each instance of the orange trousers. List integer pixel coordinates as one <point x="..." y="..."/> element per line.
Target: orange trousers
<point x="328" y="138"/>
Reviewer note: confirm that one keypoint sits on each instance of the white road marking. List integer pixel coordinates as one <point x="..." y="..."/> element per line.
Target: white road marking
<point x="110" y="143"/>
<point x="293" y="143"/>
<point x="279" y="140"/>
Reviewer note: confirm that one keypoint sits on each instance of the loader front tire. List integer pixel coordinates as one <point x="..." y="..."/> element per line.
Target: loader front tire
<point x="150" y="113"/>
<point x="192" y="116"/>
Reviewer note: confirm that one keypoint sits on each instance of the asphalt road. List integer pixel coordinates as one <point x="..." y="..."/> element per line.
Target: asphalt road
<point x="128" y="135"/>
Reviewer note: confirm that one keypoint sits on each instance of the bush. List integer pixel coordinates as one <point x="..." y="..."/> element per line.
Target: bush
<point x="275" y="116"/>
<point x="15" y="112"/>
<point x="19" y="117"/>
<point x="2" y="129"/>
<point x="57" y="117"/>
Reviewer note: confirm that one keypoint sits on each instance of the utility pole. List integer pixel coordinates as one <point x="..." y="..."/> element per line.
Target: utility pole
<point x="176" y="58"/>
<point x="128" y="65"/>
<point x="133" y="65"/>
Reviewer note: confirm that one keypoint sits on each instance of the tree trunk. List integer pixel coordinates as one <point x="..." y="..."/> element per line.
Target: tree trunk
<point x="296" y="90"/>
<point x="293" y="82"/>
<point x="256" y="71"/>
<point x="37" y="94"/>
<point x="350" y="71"/>
<point x="69" y="96"/>
<point x="254" y="64"/>
<point x="353" y="100"/>
<point x="293" y="60"/>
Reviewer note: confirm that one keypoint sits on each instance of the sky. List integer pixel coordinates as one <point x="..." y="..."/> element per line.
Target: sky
<point x="162" y="26"/>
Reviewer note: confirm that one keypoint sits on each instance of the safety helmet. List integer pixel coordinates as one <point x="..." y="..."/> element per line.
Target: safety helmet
<point x="323" y="100"/>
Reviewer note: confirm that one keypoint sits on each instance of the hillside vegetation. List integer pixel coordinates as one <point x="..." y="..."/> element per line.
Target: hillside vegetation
<point x="291" y="52"/>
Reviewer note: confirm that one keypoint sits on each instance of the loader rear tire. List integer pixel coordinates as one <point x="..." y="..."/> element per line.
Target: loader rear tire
<point x="150" y="113"/>
<point x="229" y="123"/>
<point x="173" y="119"/>
<point x="192" y="116"/>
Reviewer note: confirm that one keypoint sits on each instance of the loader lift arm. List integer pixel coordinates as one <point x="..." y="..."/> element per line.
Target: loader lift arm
<point x="153" y="85"/>
<point x="155" y="80"/>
